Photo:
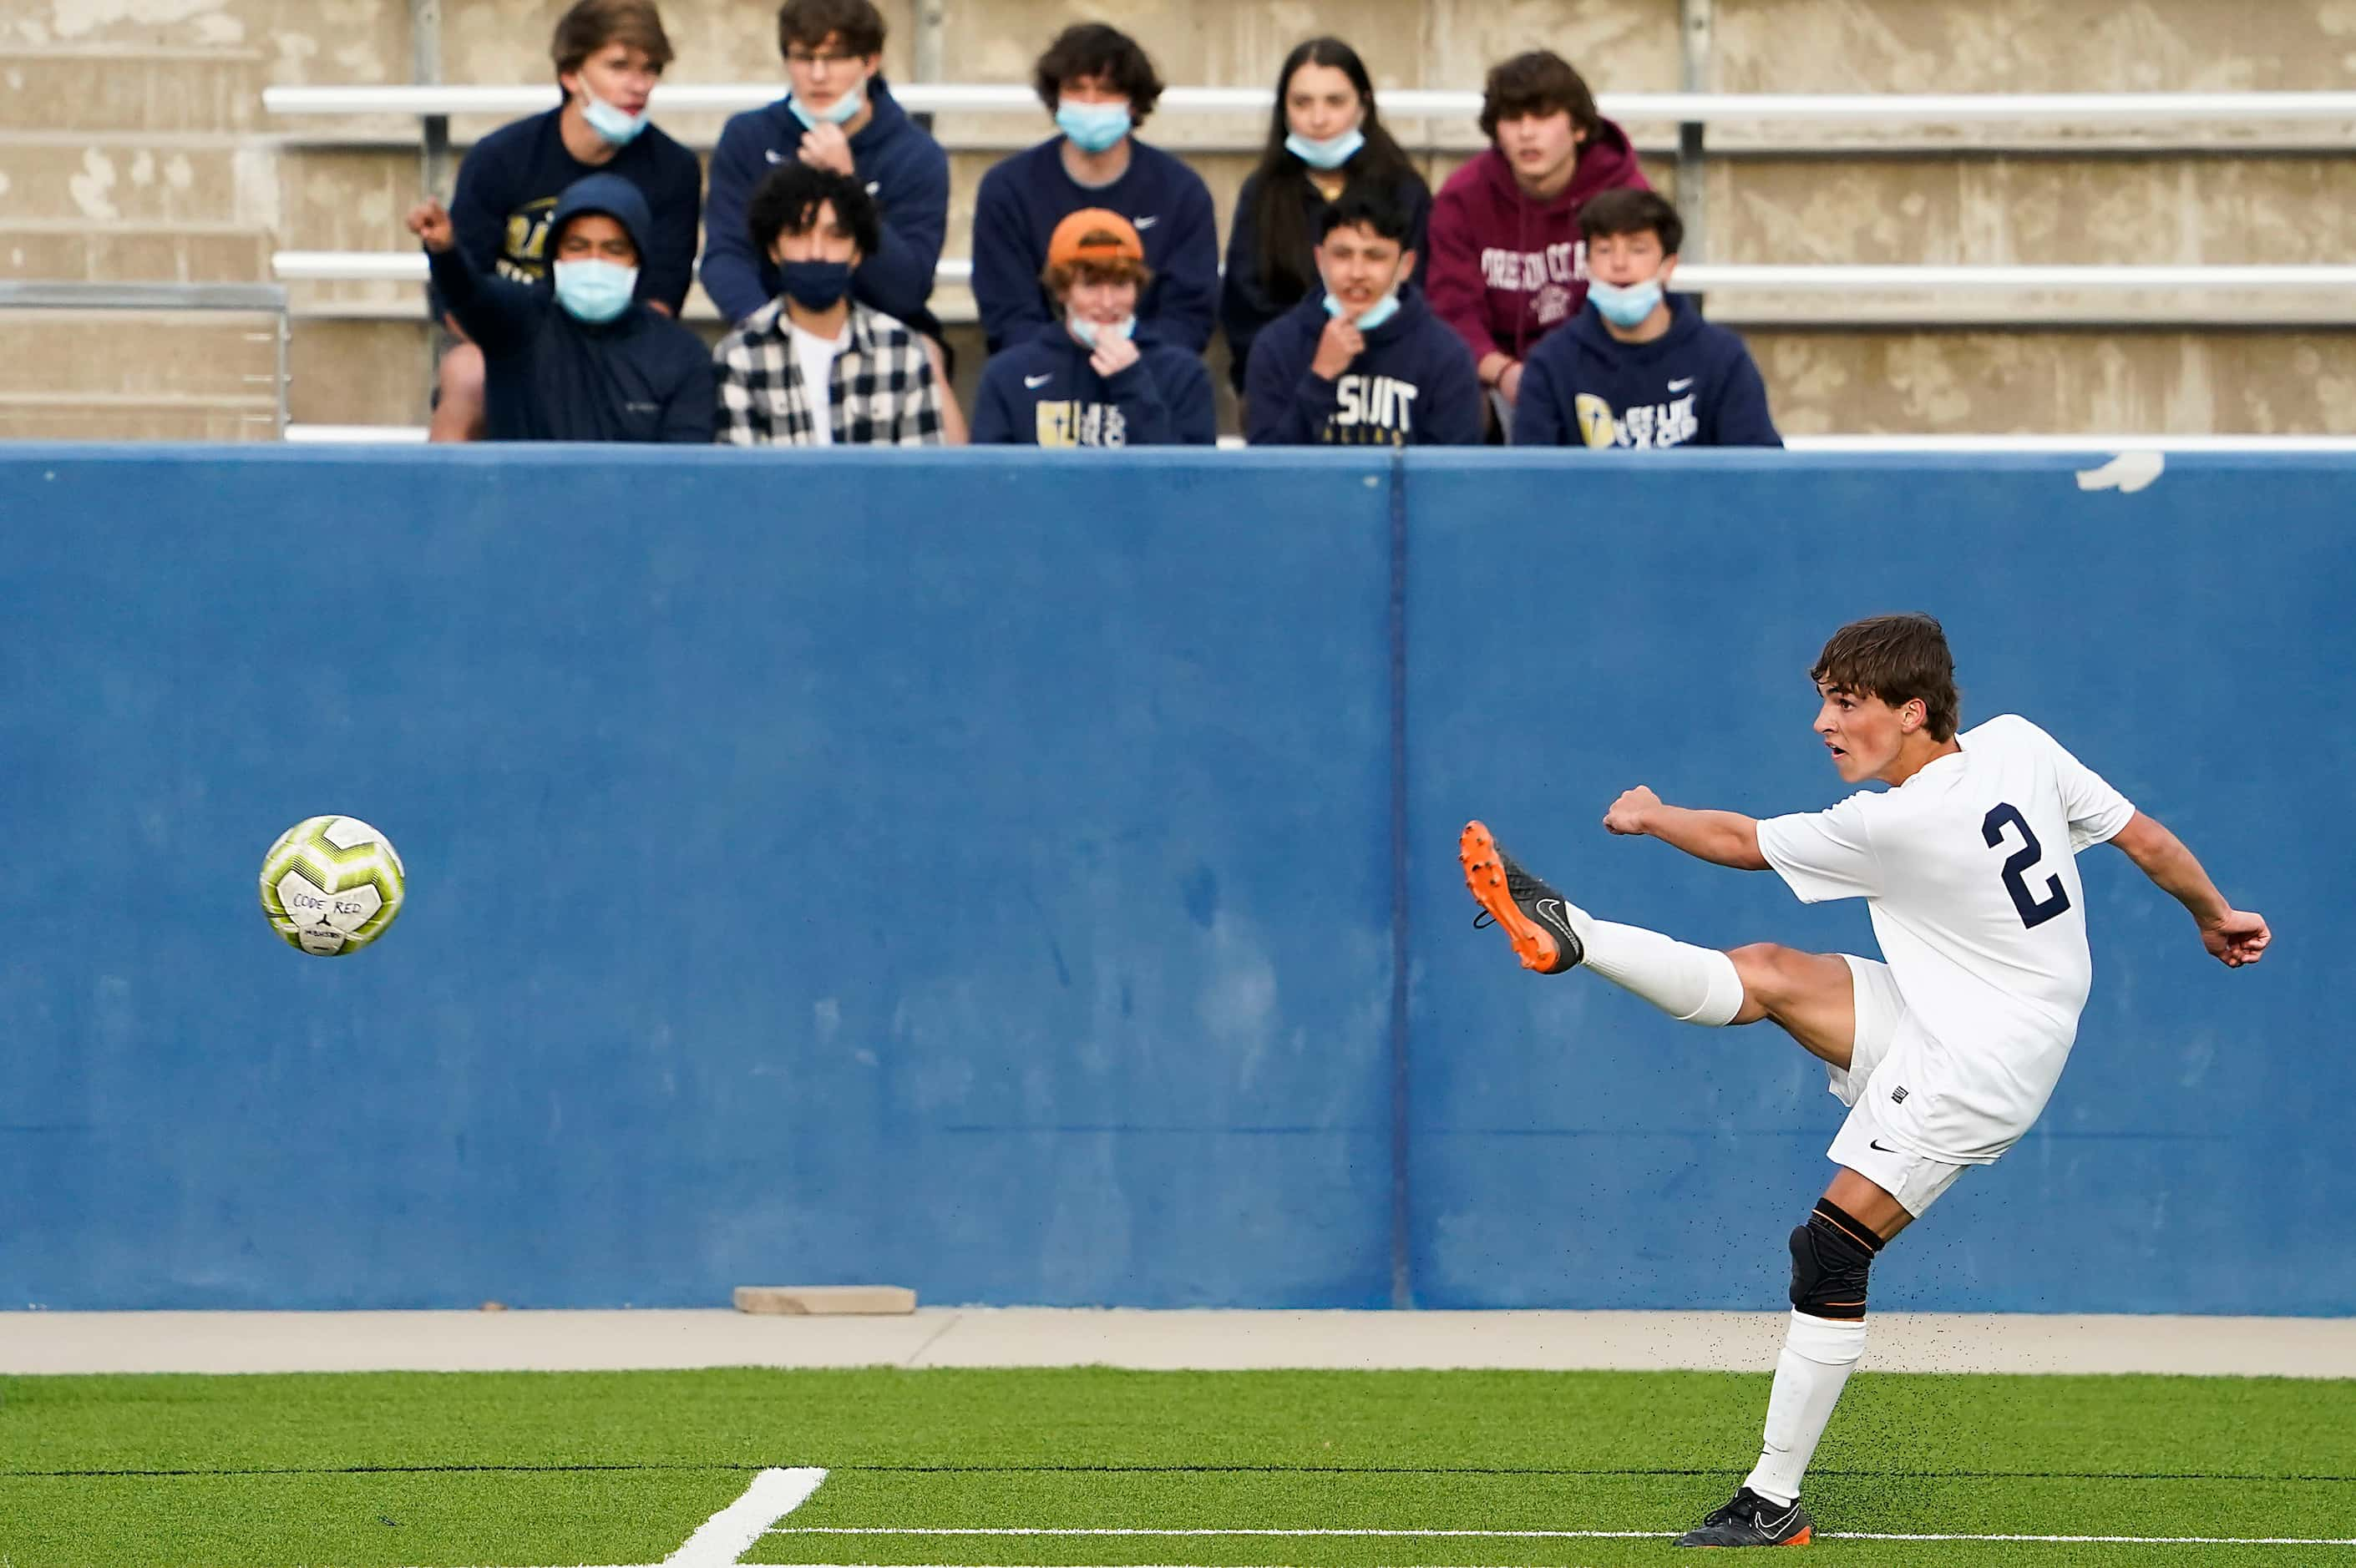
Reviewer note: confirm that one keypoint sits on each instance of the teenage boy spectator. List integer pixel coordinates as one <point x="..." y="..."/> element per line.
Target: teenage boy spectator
<point x="1506" y="265"/>
<point x="1640" y="367"/>
<point x="1365" y="363"/>
<point x="1324" y="140"/>
<point x="585" y="357"/>
<point x="839" y="115"/>
<point x="1096" y="376"/>
<point x="609" y="55"/>
<point x="1100" y="86"/>
<point x="814" y="367"/>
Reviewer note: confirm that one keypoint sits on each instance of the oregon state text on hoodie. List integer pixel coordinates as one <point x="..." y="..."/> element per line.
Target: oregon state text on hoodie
<point x="548" y="376"/>
<point x="901" y="168"/>
<point x="1412" y="385"/>
<point x="1695" y="385"/>
<point x="1042" y="391"/>
<point x="505" y="202"/>
<point x="1506" y="268"/>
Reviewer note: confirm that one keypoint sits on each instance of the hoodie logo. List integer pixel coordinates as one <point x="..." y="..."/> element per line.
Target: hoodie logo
<point x="873" y="186"/>
<point x="1681" y="386"/>
<point x="1146" y="222"/>
<point x="1646" y="425"/>
<point x="773" y="155"/>
<point x="1041" y="381"/>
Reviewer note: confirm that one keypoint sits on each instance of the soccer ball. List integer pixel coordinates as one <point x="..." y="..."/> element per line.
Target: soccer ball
<point x="331" y="885"/>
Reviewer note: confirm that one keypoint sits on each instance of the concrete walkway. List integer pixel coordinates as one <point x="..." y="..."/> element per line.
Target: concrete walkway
<point x="48" y="1342"/>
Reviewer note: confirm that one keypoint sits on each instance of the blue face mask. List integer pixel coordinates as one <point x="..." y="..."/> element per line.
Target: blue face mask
<point x="842" y="112"/>
<point x="1094" y="127"/>
<point x="1625" y="307"/>
<point x="1373" y="316"/>
<point x="616" y="127"/>
<point x="1330" y="153"/>
<point x="595" y="292"/>
<point x="1089" y="333"/>
<point x="815" y="286"/>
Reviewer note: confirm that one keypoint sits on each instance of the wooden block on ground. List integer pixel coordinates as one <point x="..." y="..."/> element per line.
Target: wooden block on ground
<point x="824" y="1300"/>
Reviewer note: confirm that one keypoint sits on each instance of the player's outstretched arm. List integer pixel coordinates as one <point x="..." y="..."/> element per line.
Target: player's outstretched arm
<point x="1721" y="837"/>
<point x="2235" y="937"/>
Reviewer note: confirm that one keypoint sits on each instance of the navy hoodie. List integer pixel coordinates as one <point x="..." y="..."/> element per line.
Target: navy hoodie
<point x="1695" y="385"/>
<point x="901" y="168"/>
<point x="1412" y="385"/>
<point x="1043" y="392"/>
<point x="1250" y="298"/>
<point x="507" y="193"/>
<point x="549" y="376"/>
<point x="1023" y="196"/>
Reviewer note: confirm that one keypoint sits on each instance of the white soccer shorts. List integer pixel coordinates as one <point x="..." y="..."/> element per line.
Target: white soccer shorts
<point x="1864" y="1143"/>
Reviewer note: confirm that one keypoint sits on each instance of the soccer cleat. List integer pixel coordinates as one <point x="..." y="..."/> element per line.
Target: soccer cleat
<point x="1533" y="915"/>
<point x="1751" y="1520"/>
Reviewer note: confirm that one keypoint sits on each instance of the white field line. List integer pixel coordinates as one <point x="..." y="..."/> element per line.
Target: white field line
<point x="719" y="1541"/>
<point x="1554" y="1535"/>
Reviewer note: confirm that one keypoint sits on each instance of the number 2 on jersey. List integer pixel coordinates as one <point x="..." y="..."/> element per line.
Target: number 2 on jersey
<point x="2034" y="912"/>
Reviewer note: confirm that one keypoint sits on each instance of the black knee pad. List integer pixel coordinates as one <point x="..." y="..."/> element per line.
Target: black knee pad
<point x="1830" y="1256"/>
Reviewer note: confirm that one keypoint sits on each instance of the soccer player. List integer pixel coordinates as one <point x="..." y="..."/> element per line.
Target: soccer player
<point x="1946" y="1051"/>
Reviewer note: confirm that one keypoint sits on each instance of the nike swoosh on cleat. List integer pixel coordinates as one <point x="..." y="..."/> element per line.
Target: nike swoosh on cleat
<point x="1560" y="917"/>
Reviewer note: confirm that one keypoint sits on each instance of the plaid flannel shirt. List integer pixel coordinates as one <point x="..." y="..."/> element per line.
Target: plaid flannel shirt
<point x="880" y="391"/>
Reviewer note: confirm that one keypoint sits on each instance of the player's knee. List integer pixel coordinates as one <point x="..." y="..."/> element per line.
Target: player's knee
<point x="1831" y="1255"/>
<point x="1766" y="973"/>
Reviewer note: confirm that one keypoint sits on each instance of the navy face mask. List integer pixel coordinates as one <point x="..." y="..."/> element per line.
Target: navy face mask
<point x="815" y="286"/>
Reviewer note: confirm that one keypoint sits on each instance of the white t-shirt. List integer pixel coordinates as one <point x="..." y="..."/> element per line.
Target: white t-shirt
<point x="1969" y="872"/>
<point x="816" y="356"/>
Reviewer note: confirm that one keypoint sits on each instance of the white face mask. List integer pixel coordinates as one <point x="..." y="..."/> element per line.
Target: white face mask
<point x="842" y="112"/>
<point x="619" y="128"/>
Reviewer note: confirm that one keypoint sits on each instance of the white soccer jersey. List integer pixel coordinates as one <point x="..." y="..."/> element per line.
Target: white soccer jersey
<point x="1970" y="873"/>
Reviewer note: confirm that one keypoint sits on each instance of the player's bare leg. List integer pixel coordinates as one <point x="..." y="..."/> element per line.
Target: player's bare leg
<point x="1811" y="994"/>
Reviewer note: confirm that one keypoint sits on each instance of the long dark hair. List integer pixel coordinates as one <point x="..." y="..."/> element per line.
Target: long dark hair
<point x="1284" y="237"/>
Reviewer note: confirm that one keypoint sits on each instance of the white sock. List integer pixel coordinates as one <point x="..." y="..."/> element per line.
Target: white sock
<point x="1818" y="1355"/>
<point x="1692" y="984"/>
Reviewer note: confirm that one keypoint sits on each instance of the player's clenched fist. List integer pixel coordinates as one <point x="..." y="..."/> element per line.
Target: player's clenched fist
<point x="2240" y="938"/>
<point x="431" y="224"/>
<point x="1627" y="813"/>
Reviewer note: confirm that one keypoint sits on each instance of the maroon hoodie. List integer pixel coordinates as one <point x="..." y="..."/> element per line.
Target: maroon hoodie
<point x="1506" y="270"/>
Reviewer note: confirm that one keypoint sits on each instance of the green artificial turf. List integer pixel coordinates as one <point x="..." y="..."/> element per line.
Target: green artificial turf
<point x="495" y="1470"/>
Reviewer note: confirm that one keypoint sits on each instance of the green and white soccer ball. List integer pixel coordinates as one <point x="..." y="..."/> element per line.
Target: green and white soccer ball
<point x="331" y="885"/>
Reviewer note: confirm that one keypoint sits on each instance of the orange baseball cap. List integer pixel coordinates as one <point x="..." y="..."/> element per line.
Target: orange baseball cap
<point x="1082" y="236"/>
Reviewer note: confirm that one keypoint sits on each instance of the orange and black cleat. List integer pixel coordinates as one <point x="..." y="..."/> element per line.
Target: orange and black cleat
<point x="1535" y="916"/>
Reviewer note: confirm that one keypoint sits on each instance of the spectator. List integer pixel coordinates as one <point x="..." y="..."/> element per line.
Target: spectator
<point x="585" y="357"/>
<point x="1100" y="86"/>
<point x="1640" y="367"/>
<point x="1323" y="140"/>
<point x="1365" y="363"/>
<point x="814" y="367"/>
<point x="1096" y="376"/>
<point x="1507" y="267"/>
<point x="609" y="55"/>
<point x="839" y="115"/>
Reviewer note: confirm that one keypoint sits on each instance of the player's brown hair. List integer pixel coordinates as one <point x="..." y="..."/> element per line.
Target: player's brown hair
<point x="855" y="25"/>
<point x="1896" y="658"/>
<point x="591" y="25"/>
<point x="1538" y="82"/>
